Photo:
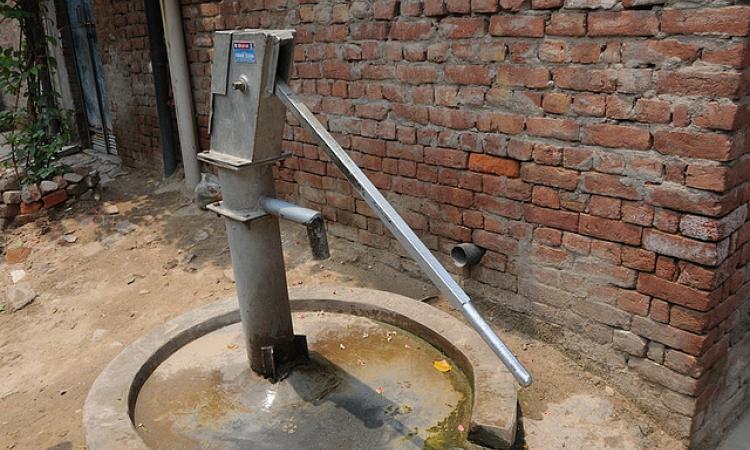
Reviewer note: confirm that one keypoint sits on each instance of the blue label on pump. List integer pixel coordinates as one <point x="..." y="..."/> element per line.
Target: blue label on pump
<point x="244" y="52"/>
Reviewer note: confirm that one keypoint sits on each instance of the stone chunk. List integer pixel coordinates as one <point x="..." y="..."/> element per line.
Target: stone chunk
<point x="72" y="177"/>
<point x="629" y="342"/>
<point x="19" y="296"/>
<point x="30" y="193"/>
<point x="48" y="186"/>
<point x="12" y="197"/>
<point x="9" y="180"/>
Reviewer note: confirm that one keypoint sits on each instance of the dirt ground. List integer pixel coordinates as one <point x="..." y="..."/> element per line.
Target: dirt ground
<point x="159" y="256"/>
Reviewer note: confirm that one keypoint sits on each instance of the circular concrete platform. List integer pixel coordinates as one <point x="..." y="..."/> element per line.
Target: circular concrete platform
<point x="371" y="382"/>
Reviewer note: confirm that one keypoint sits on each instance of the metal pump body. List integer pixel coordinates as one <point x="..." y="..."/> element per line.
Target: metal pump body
<point x="250" y="96"/>
<point x="246" y="126"/>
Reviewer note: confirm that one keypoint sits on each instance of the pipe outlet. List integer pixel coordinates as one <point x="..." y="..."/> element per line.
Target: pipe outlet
<point x="311" y="219"/>
<point x="466" y="255"/>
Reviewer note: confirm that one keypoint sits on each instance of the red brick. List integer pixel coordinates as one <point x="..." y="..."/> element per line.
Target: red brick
<point x="474" y="74"/>
<point x="677" y="293"/>
<point x="494" y="165"/>
<point x="713" y="146"/>
<point x="610" y="230"/>
<point x="731" y="54"/>
<point x="411" y="30"/>
<point x="553" y="51"/>
<point x="610" y="185"/>
<point x="729" y="21"/>
<point x="638" y="258"/>
<point x="546" y="197"/>
<point x="606" y="207"/>
<point x="484" y="6"/>
<point x="495" y="242"/>
<point x="548" y="236"/>
<point x="416" y="74"/>
<point x="385" y="9"/>
<point x="553" y="218"/>
<point x="55" y="198"/>
<point x="710" y="178"/>
<point x="698" y="277"/>
<point x="652" y="111"/>
<point x="567" y="24"/>
<point x="550" y="176"/>
<point x="670" y="336"/>
<point x="434" y="8"/>
<point x="659" y="311"/>
<point x="340" y="71"/>
<point x="458" y="6"/>
<point x="706" y="253"/>
<point x="368" y="30"/>
<point x="637" y="213"/>
<point x="549" y="155"/>
<point x="618" y="136"/>
<point x="633" y="302"/>
<point x="690" y="320"/>
<point x="28" y="208"/>
<point x="564" y="129"/>
<point x="719" y="116"/>
<point x="500" y="123"/>
<point x="589" y="105"/>
<point x="556" y="102"/>
<point x="658" y="51"/>
<point x="623" y="23"/>
<point x="546" y="4"/>
<point x="450" y="195"/>
<point x="446" y="157"/>
<point x="498" y="205"/>
<point x="517" y="26"/>
<point x="462" y="27"/>
<point x="533" y="77"/>
<point x="701" y="82"/>
<point x="581" y="78"/>
<point x="452" y="118"/>
<point x="709" y="229"/>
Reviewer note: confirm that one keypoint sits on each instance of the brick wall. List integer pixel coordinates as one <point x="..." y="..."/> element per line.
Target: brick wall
<point x="596" y="148"/>
<point x="123" y="41"/>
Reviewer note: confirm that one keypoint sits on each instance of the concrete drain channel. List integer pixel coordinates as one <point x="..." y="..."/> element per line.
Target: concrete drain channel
<point x="371" y="382"/>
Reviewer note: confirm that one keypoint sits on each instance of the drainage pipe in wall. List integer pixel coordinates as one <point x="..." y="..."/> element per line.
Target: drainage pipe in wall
<point x="179" y="71"/>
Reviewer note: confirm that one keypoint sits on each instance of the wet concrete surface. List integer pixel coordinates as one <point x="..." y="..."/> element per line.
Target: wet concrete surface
<point x="368" y="385"/>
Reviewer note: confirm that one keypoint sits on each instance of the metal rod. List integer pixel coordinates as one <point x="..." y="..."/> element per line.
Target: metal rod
<point x="182" y="91"/>
<point x="401" y="230"/>
<point x="313" y="220"/>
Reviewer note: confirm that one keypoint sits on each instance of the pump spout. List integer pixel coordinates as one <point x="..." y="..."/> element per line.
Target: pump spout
<point x="311" y="219"/>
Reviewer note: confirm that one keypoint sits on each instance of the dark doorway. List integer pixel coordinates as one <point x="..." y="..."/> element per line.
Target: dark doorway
<point x="91" y="75"/>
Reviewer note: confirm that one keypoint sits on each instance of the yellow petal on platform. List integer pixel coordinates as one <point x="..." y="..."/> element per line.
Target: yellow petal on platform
<point x="442" y="365"/>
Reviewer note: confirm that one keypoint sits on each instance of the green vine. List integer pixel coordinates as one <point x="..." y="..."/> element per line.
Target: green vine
<point x="36" y="127"/>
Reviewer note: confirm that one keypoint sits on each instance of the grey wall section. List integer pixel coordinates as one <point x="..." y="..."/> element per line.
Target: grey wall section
<point x="9" y="33"/>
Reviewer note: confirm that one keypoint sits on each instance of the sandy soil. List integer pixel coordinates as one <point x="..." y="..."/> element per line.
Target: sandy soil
<point x="159" y="256"/>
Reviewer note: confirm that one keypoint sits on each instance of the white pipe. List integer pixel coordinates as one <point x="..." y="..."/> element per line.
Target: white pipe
<point x="179" y="72"/>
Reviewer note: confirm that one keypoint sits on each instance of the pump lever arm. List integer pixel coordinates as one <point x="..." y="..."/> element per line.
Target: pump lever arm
<point x="401" y="230"/>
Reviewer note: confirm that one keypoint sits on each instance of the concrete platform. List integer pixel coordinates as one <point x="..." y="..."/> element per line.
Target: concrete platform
<point x="370" y="384"/>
